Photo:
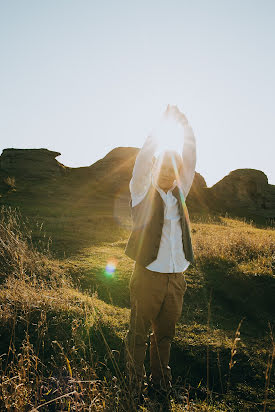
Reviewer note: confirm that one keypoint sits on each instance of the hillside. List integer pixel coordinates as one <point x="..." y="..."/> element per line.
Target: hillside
<point x="36" y="172"/>
<point x="62" y="312"/>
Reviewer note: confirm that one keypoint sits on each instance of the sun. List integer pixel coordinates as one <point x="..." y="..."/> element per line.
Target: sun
<point x="169" y="135"/>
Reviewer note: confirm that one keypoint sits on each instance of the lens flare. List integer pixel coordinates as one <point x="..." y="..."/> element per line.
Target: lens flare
<point x="169" y="135"/>
<point x="110" y="268"/>
<point x="182" y="198"/>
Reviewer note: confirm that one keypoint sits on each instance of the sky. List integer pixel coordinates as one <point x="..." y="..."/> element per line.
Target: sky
<point x="82" y="77"/>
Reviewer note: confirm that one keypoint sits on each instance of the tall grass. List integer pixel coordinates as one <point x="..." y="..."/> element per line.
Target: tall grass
<point x="234" y="247"/>
<point x="62" y="348"/>
<point x="19" y="257"/>
<point x="235" y="242"/>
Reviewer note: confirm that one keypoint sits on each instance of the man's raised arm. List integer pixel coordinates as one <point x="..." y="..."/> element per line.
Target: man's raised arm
<point x="189" y="157"/>
<point x="142" y="171"/>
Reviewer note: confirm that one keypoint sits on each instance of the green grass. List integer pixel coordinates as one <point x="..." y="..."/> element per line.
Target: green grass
<point x="62" y="315"/>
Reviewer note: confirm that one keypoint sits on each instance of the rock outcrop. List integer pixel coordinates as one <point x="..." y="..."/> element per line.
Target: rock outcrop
<point x="243" y="192"/>
<point x="197" y="198"/>
<point x="30" y="162"/>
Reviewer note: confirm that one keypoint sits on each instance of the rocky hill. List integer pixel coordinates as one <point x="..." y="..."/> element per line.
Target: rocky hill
<point x="30" y="162"/>
<point x="243" y="192"/>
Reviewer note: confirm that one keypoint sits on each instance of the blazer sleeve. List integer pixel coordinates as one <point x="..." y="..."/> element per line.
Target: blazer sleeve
<point x="142" y="171"/>
<point x="189" y="158"/>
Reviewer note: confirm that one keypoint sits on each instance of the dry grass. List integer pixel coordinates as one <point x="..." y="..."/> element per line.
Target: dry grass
<point x="62" y="347"/>
<point x="18" y="256"/>
<point x="63" y="322"/>
<point x="238" y="243"/>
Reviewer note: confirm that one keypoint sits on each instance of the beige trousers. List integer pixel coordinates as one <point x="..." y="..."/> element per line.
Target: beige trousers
<point x="156" y="301"/>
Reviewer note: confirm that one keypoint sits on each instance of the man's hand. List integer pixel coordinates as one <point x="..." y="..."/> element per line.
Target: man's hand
<point x="174" y="113"/>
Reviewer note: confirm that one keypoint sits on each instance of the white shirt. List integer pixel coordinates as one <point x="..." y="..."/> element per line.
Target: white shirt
<point x="171" y="256"/>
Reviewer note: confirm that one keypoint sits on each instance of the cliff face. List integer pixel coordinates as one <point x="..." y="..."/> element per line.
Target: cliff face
<point x="243" y="192"/>
<point x="30" y="162"/>
<point x="248" y="187"/>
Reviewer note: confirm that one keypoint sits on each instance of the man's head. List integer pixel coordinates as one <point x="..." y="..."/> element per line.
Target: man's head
<point x="167" y="168"/>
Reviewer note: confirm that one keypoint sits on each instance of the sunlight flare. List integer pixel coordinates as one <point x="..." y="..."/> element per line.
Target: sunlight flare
<point x="169" y="135"/>
<point x="110" y="268"/>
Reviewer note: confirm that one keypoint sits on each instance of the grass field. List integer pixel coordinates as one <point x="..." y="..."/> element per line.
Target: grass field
<point x="63" y="317"/>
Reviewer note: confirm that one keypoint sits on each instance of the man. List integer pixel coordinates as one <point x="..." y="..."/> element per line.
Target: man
<point x="161" y="246"/>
